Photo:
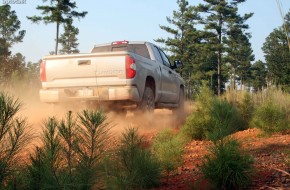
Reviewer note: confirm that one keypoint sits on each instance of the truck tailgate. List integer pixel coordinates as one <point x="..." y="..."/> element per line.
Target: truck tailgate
<point x="85" y="70"/>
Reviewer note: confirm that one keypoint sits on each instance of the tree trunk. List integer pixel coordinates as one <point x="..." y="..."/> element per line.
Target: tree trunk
<point x="219" y="55"/>
<point x="56" y="39"/>
<point x="234" y="79"/>
<point x="211" y="82"/>
<point x="241" y="82"/>
<point x="219" y="72"/>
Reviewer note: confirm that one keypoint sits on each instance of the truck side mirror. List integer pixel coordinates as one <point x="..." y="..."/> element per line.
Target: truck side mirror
<point x="177" y="64"/>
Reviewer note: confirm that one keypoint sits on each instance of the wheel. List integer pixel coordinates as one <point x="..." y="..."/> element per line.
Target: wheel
<point x="148" y="101"/>
<point x="121" y="112"/>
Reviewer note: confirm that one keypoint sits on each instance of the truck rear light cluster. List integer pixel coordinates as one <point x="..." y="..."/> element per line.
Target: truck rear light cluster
<point x="43" y="71"/>
<point x="120" y="42"/>
<point x="130" y="67"/>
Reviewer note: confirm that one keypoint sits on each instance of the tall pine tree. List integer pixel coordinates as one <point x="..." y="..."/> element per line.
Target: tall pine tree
<point x="277" y="58"/>
<point x="58" y="12"/>
<point x="10" y="34"/>
<point x="239" y="55"/>
<point x="185" y="45"/>
<point x="218" y="15"/>
<point x="258" y="75"/>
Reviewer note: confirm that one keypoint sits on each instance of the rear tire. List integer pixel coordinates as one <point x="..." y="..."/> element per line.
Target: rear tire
<point x="121" y="112"/>
<point x="147" y="103"/>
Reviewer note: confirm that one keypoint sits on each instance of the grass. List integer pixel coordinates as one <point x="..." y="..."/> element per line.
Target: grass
<point x="270" y="118"/>
<point x="272" y="112"/>
<point x="267" y="109"/>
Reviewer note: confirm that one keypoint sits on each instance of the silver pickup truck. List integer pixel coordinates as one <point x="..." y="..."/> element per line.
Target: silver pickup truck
<point x="122" y="73"/>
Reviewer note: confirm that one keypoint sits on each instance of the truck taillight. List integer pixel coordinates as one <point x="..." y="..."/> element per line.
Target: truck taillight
<point x="120" y="42"/>
<point x="130" y="67"/>
<point x="42" y="71"/>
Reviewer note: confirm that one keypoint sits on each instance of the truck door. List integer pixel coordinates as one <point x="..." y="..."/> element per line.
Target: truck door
<point x="168" y="80"/>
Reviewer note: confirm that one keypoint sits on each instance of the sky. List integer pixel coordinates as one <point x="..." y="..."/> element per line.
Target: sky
<point x="133" y="20"/>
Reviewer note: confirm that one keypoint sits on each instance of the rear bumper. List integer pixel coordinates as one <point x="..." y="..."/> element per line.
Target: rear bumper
<point x="94" y="93"/>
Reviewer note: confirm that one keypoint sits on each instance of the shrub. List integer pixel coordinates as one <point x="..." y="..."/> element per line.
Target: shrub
<point x="168" y="149"/>
<point x="194" y="127"/>
<point x="213" y="121"/>
<point x="227" y="166"/>
<point x="271" y="118"/>
<point x="132" y="166"/>
<point x="14" y="136"/>
<point x="224" y="120"/>
<point x="244" y="102"/>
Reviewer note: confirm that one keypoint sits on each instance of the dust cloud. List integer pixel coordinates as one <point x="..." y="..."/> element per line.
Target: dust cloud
<point x="36" y="112"/>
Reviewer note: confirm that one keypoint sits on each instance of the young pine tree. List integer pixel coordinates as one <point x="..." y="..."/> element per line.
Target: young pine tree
<point x="68" y="39"/>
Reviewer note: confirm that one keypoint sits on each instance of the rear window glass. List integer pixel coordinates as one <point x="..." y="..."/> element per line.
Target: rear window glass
<point x="140" y="49"/>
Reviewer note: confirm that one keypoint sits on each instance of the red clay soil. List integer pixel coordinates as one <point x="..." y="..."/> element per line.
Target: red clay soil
<point x="271" y="161"/>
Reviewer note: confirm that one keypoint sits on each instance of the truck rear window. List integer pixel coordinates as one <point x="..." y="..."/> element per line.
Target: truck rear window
<point x="140" y="49"/>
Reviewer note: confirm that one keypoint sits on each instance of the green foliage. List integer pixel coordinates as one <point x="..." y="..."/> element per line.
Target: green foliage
<point x="277" y="57"/>
<point x="68" y="39"/>
<point x="57" y="12"/>
<point x="14" y="137"/>
<point x="132" y="167"/>
<point x="239" y="54"/>
<point x="10" y="32"/>
<point x="45" y="163"/>
<point x="94" y="135"/>
<point x="221" y="22"/>
<point x="194" y="127"/>
<point x="224" y="120"/>
<point x="259" y="75"/>
<point x="271" y="118"/>
<point x="13" y="70"/>
<point x="17" y="76"/>
<point x="246" y="108"/>
<point x="189" y="45"/>
<point x="227" y="166"/>
<point x="214" y="118"/>
<point x="69" y="141"/>
<point x="71" y="154"/>
<point x="168" y="148"/>
<point x="244" y="102"/>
